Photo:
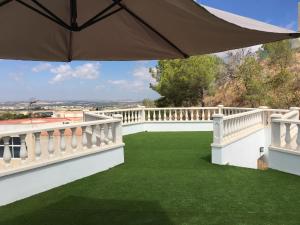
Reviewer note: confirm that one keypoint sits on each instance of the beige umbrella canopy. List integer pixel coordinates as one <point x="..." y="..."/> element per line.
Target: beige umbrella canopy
<point x="65" y="30"/>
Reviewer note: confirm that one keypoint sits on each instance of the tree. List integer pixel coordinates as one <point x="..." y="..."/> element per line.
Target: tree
<point x="184" y="82"/>
<point x="279" y="54"/>
<point x="250" y="75"/>
<point x="148" y="103"/>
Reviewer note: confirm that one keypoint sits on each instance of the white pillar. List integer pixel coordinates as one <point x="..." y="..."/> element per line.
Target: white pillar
<point x="143" y="115"/>
<point x="218" y="129"/>
<point x="275" y="130"/>
<point x="220" y="109"/>
<point x="118" y="138"/>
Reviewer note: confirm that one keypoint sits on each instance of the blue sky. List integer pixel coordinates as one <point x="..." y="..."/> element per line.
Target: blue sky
<point x="22" y="80"/>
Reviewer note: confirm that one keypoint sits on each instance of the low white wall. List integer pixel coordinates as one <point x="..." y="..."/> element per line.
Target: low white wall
<point x="132" y="128"/>
<point x="167" y="127"/>
<point x="178" y="126"/>
<point x="285" y="161"/>
<point x="243" y="152"/>
<point x="24" y="184"/>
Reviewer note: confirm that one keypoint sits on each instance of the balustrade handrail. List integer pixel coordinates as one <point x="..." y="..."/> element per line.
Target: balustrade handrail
<point x="117" y="110"/>
<point x="180" y="108"/>
<point x="241" y="114"/>
<point x="286" y="121"/>
<point x="290" y="114"/>
<point x="58" y="127"/>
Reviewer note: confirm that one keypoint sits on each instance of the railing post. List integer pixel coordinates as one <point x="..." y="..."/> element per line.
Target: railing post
<point x="295" y="109"/>
<point x="264" y="115"/>
<point x="220" y="109"/>
<point x="275" y="130"/>
<point x="143" y="115"/>
<point x="118" y="138"/>
<point x="218" y="128"/>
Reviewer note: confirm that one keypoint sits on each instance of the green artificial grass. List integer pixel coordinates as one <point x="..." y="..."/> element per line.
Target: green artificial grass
<point x="167" y="179"/>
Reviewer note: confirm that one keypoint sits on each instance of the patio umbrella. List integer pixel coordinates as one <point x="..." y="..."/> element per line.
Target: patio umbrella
<point x="65" y="30"/>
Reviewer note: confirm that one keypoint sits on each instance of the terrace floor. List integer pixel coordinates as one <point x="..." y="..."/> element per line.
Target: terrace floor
<point x="167" y="179"/>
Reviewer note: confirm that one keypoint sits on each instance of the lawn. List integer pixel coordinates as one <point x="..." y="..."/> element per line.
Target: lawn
<point x="167" y="180"/>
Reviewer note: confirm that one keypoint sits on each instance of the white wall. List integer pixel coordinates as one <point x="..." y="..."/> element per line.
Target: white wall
<point x="167" y="127"/>
<point x="24" y="184"/>
<point x="283" y="160"/>
<point x="243" y="152"/>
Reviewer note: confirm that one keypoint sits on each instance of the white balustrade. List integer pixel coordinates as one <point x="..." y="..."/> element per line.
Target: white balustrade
<point x="43" y="145"/>
<point x="285" y="132"/>
<point x="228" y="128"/>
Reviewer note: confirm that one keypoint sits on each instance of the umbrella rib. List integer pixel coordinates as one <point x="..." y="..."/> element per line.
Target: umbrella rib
<point x="49" y="12"/>
<point x="96" y="17"/>
<point x="99" y="19"/>
<point x="5" y="2"/>
<point x="44" y="14"/>
<point x="153" y="30"/>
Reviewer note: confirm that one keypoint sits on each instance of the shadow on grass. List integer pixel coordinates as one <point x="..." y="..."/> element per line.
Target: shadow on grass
<point x="87" y="211"/>
<point x="206" y="158"/>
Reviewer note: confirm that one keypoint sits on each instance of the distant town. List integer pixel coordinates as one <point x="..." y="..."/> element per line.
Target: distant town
<point x="43" y="109"/>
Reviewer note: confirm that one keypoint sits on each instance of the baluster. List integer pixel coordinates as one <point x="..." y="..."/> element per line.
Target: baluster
<point x="192" y="115"/>
<point x="148" y="115"/>
<point x="62" y="141"/>
<point x="180" y="111"/>
<point x="7" y="153"/>
<point x="176" y="116"/>
<point x="23" y="150"/>
<point x="37" y="149"/>
<point x="102" y="136"/>
<point x="197" y="114"/>
<point x="208" y="115"/>
<point x="159" y="115"/>
<point x="50" y="143"/>
<point x="186" y="115"/>
<point x="110" y="134"/>
<point x="94" y="136"/>
<point x="74" y="139"/>
<point x="298" y="137"/>
<point x="84" y="138"/>
<point x="288" y="134"/>
<point x="165" y="115"/>
<point x="203" y="115"/>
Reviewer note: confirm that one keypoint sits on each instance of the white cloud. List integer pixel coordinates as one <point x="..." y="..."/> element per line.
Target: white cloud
<point x="133" y="85"/>
<point x="140" y="82"/>
<point x="142" y="73"/>
<point x="42" y="67"/>
<point x="17" y="77"/>
<point x="88" y="71"/>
